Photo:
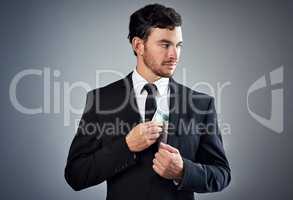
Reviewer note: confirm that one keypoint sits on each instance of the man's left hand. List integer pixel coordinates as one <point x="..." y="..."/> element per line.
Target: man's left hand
<point x="168" y="162"/>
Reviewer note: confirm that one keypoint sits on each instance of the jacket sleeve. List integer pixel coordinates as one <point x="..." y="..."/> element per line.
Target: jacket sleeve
<point x="91" y="161"/>
<point x="210" y="172"/>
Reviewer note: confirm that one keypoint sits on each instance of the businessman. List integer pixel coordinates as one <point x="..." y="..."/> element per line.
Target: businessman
<point x="146" y="135"/>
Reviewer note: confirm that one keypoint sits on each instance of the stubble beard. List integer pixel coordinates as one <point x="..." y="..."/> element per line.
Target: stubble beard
<point x="152" y="65"/>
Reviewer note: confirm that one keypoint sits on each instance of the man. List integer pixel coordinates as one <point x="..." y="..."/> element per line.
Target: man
<point x="120" y="139"/>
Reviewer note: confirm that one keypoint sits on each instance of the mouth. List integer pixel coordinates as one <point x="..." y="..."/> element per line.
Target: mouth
<point x="171" y="65"/>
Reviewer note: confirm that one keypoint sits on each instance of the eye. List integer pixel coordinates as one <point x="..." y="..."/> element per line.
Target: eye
<point x="179" y="45"/>
<point x="165" y="45"/>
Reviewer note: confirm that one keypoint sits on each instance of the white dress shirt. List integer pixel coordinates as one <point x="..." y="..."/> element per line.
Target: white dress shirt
<point x="162" y="97"/>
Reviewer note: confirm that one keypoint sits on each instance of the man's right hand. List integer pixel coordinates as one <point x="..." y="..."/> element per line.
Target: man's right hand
<point x="143" y="135"/>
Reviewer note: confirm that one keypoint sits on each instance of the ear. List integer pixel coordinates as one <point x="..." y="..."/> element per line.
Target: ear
<point x="138" y="45"/>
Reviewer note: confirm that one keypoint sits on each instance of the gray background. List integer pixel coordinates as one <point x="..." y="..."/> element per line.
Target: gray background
<point x="236" y="41"/>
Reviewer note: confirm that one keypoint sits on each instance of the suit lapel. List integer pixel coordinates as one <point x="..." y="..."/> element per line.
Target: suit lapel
<point x="131" y="110"/>
<point x="174" y="106"/>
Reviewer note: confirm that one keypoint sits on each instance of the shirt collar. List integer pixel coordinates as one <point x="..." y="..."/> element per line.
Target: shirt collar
<point x="139" y="82"/>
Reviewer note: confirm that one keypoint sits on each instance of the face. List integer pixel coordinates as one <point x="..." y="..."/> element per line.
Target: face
<point x="161" y="51"/>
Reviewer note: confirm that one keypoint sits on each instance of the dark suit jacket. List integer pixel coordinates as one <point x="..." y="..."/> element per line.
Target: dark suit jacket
<point x="99" y="151"/>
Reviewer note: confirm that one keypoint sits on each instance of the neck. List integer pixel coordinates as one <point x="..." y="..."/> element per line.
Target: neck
<point x="147" y="73"/>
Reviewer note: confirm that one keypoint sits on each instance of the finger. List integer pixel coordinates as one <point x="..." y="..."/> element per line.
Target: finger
<point x="168" y="148"/>
<point x="158" y="164"/>
<point x="154" y="123"/>
<point x="162" y="159"/>
<point x="142" y="128"/>
<point x="161" y="171"/>
<point x="154" y="136"/>
<point x="155" y="129"/>
<point x="149" y="123"/>
<point x="164" y="152"/>
<point x="157" y="170"/>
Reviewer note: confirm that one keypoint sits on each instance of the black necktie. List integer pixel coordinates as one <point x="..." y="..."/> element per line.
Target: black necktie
<point x="150" y="104"/>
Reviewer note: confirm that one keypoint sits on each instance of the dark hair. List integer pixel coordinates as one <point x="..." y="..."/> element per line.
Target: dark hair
<point x="152" y="16"/>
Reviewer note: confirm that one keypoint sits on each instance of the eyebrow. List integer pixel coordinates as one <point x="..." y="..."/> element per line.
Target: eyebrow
<point x="169" y="42"/>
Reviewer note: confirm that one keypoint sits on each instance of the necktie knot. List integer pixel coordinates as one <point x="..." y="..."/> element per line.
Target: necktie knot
<point x="150" y="88"/>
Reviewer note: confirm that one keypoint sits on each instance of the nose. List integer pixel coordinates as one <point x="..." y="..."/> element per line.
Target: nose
<point x="173" y="53"/>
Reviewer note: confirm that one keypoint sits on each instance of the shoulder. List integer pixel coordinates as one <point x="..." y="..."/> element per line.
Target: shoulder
<point x="111" y="88"/>
<point x="109" y="96"/>
<point x="185" y="90"/>
<point x="193" y="98"/>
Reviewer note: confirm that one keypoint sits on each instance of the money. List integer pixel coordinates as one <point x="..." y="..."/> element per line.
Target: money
<point x="160" y="117"/>
<point x="163" y="119"/>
